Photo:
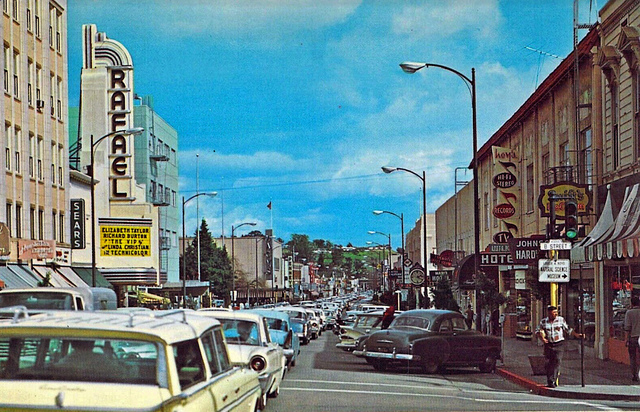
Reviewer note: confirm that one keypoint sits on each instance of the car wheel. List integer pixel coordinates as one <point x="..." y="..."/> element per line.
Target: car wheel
<point x="489" y="364"/>
<point x="380" y="365"/>
<point x="430" y="366"/>
<point x="275" y="393"/>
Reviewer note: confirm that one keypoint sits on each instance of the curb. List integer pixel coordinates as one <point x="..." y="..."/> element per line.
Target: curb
<point x="538" y="389"/>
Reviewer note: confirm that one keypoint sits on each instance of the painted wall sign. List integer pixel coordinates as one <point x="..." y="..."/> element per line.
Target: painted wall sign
<point x="77" y="224"/>
<point x="525" y="250"/>
<point x="36" y="249"/>
<point x="505" y="180"/>
<point x="133" y="241"/>
<point x="581" y="193"/>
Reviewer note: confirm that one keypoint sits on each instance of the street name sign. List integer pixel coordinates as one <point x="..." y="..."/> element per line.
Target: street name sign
<point x="550" y="270"/>
<point x="555" y="244"/>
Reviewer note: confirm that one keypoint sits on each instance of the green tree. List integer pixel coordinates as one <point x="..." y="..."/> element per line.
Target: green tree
<point x="443" y="296"/>
<point x="215" y="265"/>
<point x="302" y="247"/>
<point x="337" y="256"/>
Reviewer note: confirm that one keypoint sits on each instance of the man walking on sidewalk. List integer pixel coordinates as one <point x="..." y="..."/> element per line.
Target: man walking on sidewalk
<point x="632" y="328"/>
<point x="552" y="331"/>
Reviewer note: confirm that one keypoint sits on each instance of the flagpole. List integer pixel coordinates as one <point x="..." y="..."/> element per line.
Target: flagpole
<point x="271" y="212"/>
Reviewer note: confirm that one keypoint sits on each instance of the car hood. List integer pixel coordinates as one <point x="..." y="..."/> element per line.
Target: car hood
<point x="48" y="395"/>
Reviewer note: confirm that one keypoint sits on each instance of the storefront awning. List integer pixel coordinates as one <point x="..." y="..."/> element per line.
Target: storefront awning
<point x="86" y="276"/>
<point x="463" y="273"/>
<point x="12" y="280"/>
<point x="55" y="278"/>
<point x="72" y="276"/>
<point x="613" y="238"/>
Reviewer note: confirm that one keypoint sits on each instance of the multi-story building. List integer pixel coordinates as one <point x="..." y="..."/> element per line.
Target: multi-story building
<point x="157" y="168"/>
<point x="34" y="142"/>
<point x="126" y="243"/>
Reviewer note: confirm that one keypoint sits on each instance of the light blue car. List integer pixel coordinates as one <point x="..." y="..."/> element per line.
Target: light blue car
<point x="280" y="329"/>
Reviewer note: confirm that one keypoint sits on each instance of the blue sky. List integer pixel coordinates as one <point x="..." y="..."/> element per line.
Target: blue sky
<point x="301" y="102"/>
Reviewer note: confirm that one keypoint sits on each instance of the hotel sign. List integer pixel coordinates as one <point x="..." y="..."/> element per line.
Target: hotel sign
<point x="129" y="241"/>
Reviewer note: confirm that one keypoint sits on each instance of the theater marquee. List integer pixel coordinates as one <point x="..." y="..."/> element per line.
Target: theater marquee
<point x="121" y="240"/>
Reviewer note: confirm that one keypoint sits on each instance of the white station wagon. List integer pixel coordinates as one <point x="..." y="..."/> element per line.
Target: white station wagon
<point x="106" y="361"/>
<point x="249" y="343"/>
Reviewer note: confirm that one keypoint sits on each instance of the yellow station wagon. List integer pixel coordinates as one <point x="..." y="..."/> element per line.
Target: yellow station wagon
<point x="108" y="361"/>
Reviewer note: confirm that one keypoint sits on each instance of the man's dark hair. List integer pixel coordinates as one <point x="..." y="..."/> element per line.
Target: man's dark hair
<point x="635" y="300"/>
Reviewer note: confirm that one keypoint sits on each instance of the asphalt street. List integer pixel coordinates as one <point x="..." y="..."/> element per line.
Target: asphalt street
<point x="328" y="379"/>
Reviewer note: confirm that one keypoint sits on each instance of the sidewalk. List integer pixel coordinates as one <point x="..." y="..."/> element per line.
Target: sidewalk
<point x="604" y="380"/>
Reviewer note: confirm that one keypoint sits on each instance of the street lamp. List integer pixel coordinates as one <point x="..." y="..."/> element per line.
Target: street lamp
<point x="401" y="217"/>
<point x="134" y="131"/>
<point x="388" y="235"/>
<point x="412" y="67"/>
<point x="380" y="260"/>
<point x="184" y="249"/>
<point x="423" y="178"/>
<point x="233" y="258"/>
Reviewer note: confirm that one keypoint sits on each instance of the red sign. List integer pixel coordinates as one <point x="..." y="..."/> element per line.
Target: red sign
<point x="36" y="249"/>
<point x="504" y="211"/>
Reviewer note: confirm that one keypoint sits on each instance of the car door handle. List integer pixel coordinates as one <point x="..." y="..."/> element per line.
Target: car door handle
<point x="237" y="390"/>
<point x="224" y="398"/>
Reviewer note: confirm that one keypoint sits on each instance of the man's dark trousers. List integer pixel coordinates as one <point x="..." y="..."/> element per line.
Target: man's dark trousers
<point x="553" y="353"/>
<point x="633" y="348"/>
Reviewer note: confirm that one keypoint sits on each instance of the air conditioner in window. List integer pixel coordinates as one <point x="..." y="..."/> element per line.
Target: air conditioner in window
<point x="40" y="104"/>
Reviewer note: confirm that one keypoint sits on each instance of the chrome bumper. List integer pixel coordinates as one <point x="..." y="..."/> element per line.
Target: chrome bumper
<point x="346" y="345"/>
<point x="384" y="355"/>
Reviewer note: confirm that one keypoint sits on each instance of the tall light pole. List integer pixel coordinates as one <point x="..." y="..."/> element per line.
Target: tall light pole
<point x="134" y="131"/>
<point x="412" y="67"/>
<point x="388" y="235"/>
<point x="401" y="217"/>
<point x="184" y="249"/>
<point x="423" y="178"/>
<point x="233" y="257"/>
<point x="379" y="260"/>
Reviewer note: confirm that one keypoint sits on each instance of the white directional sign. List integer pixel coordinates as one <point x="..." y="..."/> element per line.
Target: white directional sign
<point x="550" y="270"/>
<point x="555" y="244"/>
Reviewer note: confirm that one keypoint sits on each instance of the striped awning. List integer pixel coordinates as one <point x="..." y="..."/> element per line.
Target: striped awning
<point x="611" y="237"/>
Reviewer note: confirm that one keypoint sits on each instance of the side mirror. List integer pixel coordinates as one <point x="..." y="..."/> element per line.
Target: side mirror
<point x="287" y="341"/>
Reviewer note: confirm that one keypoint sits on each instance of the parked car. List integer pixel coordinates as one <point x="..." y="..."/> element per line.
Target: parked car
<point x="431" y="339"/>
<point x="363" y="325"/>
<point x="282" y="333"/>
<point x="299" y="322"/>
<point x="67" y="360"/>
<point x="250" y="344"/>
<point x="45" y="298"/>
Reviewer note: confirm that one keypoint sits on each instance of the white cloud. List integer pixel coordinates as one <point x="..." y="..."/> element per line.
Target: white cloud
<point x="446" y="18"/>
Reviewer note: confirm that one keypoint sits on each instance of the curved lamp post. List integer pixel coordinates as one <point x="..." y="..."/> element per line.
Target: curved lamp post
<point x="233" y="258"/>
<point x="401" y="217"/>
<point x="388" y="235"/>
<point x="412" y="67"/>
<point x="184" y="249"/>
<point x="134" y="131"/>
<point x="423" y="178"/>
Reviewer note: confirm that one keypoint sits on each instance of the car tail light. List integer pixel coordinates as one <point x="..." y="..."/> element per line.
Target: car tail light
<point x="258" y="363"/>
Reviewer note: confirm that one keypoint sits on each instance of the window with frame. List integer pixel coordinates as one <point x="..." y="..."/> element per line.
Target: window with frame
<point x="32" y="150"/>
<point x="8" y="216"/>
<point x="52" y="20"/>
<point x="32" y="222"/>
<point x="29" y="15"/>
<point x="17" y="147"/>
<point x="38" y="86"/>
<point x="37" y="19"/>
<point x="30" y="82"/>
<point x="5" y="6"/>
<point x="7" y="146"/>
<point x="586" y="158"/>
<point x="52" y="90"/>
<point x="61" y="227"/>
<point x="40" y="224"/>
<point x="16" y="73"/>
<point x="59" y="98"/>
<point x="19" y="221"/>
<point x="54" y="161"/>
<point x="487" y="208"/>
<point x="39" y="154"/>
<point x="530" y="188"/>
<point x="16" y="9"/>
<point x="546" y="164"/>
<point x="54" y="226"/>
<point x="60" y="165"/>
<point x="564" y="154"/>
<point x="58" y="30"/>
<point x="7" y="60"/>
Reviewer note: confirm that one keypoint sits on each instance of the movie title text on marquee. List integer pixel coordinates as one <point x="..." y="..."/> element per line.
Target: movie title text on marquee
<point x="134" y="241"/>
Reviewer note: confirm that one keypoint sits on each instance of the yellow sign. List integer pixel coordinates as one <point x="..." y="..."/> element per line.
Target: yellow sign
<point x="132" y="241"/>
<point x="580" y="193"/>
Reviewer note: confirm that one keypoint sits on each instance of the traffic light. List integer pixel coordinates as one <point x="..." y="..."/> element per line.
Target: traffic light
<point x="570" y="219"/>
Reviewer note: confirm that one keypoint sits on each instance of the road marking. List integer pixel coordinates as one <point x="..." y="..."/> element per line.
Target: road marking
<point x="469" y="398"/>
<point x="368" y="384"/>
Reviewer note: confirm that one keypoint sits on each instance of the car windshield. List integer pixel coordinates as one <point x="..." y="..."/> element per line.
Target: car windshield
<point x="241" y="332"/>
<point x="40" y="300"/>
<point x="366" y="321"/>
<point x="65" y="359"/>
<point x="296" y="315"/>
<point x="410" y="322"/>
<point x="277" y="324"/>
